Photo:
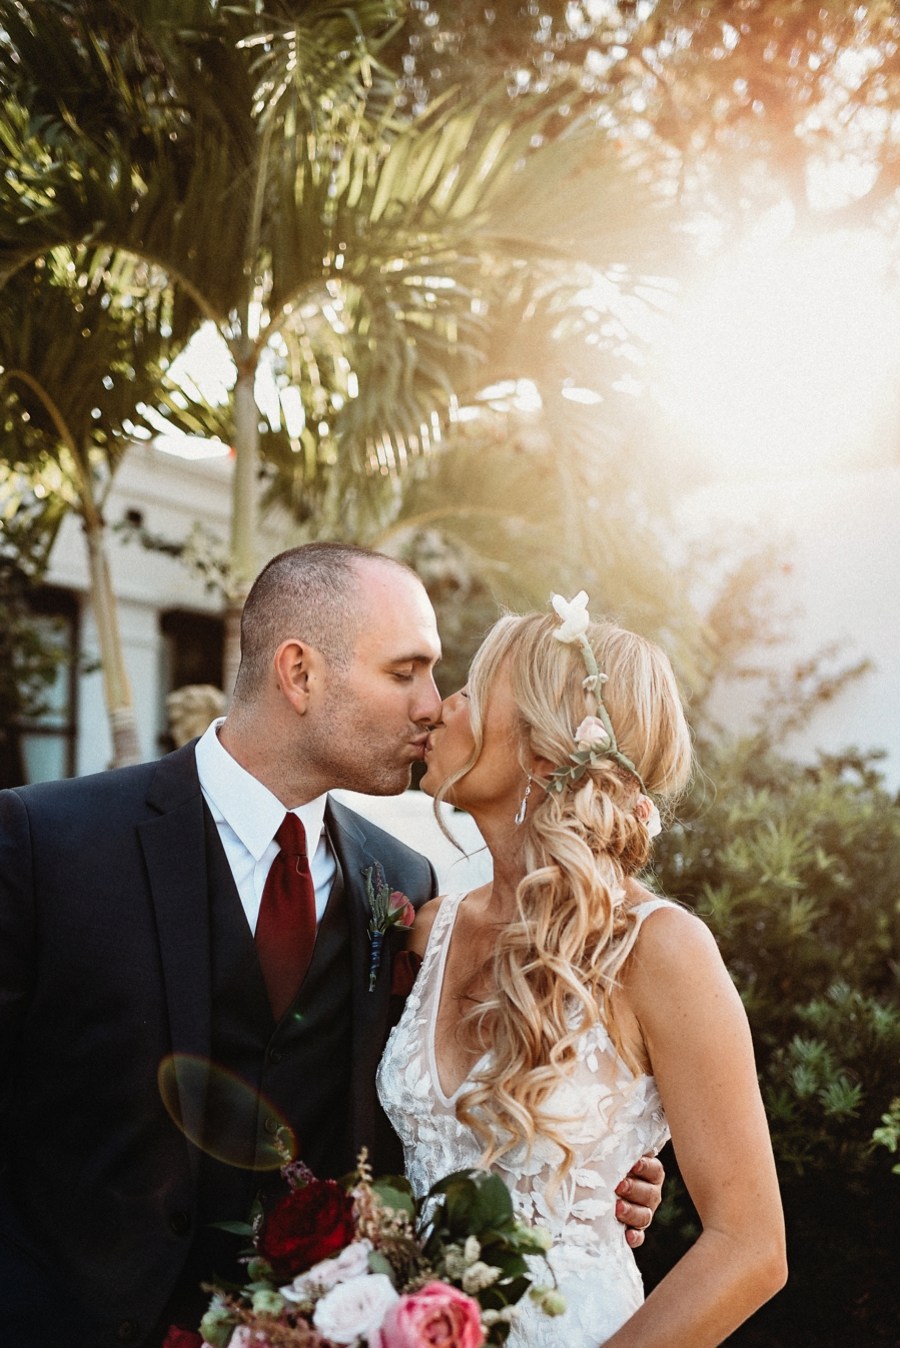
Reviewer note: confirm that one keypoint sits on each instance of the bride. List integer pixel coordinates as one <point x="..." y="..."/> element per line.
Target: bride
<point x="565" y="1021"/>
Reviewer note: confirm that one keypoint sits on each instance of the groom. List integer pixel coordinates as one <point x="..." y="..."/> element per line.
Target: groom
<point x="185" y="961"/>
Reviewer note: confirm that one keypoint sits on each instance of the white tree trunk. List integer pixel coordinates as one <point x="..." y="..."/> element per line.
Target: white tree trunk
<point x="116" y="687"/>
<point x="243" y="557"/>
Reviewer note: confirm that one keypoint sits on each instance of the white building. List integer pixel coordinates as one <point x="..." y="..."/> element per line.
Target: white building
<point x="837" y="540"/>
<point x="171" y="625"/>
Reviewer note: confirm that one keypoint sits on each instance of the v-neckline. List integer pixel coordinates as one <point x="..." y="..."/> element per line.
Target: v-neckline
<point x="447" y="1100"/>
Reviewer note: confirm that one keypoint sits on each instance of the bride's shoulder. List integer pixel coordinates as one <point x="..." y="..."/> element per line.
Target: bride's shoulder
<point x="672" y="943"/>
<point x="420" y="930"/>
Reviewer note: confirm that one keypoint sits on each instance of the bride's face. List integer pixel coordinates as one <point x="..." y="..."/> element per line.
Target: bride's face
<point x="496" y="779"/>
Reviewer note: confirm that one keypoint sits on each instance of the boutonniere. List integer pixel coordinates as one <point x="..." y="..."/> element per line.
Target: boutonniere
<point x="389" y="909"/>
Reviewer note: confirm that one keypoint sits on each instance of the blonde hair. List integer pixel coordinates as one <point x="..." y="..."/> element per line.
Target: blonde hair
<point x="574" y="931"/>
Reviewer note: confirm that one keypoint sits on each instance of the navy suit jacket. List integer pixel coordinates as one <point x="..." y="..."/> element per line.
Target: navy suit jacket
<point x="105" y="970"/>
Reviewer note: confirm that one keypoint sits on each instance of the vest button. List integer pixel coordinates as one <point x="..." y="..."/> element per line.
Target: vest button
<point x="275" y="1055"/>
<point x="271" y="1126"/>
<point x="179" y="1223"/>
<point x="127" y="1331"/>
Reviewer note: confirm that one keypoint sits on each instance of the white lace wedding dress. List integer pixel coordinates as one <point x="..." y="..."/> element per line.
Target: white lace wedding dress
<point x="617" y="1118"/>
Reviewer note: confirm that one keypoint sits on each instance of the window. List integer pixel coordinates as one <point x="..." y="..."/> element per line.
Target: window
<point x="193" y="651"/>
<point x="42" y="749"/>
<point x="194" y="647"/>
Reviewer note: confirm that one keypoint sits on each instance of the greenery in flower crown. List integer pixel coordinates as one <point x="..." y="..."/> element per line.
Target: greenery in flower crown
<point x="599" y="739"/>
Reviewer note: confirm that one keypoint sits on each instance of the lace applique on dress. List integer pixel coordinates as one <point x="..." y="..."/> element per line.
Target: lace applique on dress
<point x="612" y="1119"/>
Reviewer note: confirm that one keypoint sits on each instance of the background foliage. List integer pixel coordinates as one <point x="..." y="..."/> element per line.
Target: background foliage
<point x="796" y="869"/>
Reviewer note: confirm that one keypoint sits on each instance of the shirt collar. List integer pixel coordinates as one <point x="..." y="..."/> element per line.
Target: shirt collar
<point x="248" y="807"/>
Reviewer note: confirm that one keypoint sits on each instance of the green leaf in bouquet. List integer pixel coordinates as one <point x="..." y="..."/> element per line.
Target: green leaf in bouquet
<point x="475" y="1201"/>
<point x="397" y="1182"/>
<point x="394" y="1197"/>
<point x="218" y="1324"/>
<point x="259" y="1270"/>
<point x="510" y="1262"/>
<point x="234" y="1228"/>
<point x="267" y="1302"/>
<point x="378" y="1264"/>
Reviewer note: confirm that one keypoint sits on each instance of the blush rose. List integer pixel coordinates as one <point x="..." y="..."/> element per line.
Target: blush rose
<point x="400" y="910"/>
<point x="438" y="1316"/>
<point x="592" y="734"/>
<point x="648" y="814"/>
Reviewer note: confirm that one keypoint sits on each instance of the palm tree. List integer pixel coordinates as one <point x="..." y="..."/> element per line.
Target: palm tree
<point x="258" y="161"/>
<point x="79" y="349"/>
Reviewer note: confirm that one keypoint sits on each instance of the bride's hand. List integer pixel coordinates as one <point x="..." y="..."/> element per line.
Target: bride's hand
<point x="639" y="1195"/>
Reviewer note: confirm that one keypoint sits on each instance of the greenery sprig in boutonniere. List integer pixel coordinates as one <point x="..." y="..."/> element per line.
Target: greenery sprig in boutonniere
<point x="389" y="909"/>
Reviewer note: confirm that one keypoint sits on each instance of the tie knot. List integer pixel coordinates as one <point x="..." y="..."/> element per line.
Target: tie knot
<point x="291" y="836"/>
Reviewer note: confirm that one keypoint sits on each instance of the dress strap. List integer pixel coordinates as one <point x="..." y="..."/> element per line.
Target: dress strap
<point x="443" y="921"/>
<point x="643" y="910"/>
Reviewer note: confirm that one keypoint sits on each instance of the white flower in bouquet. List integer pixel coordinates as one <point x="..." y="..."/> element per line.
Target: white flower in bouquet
<point x="352" y="1262"/>
<point x="245" y="1337"/>
<point x="478" y="1276"/>
<point x="353" y="1310"/>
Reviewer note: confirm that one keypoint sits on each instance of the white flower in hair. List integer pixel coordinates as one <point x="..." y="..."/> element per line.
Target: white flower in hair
<point x="574" y="615"/>
<point x="592" y="734"/>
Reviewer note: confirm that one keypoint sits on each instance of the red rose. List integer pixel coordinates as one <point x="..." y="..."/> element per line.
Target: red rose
<point x="307" y="1225"/>
<point x="182" y="1338"/>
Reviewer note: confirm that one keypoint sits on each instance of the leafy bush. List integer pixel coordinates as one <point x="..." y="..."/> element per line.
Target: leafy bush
<point x="796" y="869"/>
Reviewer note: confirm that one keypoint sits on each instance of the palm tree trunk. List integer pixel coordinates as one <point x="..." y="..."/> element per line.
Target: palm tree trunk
<point x="243" y="560"/>
<point x="116" y="687"/>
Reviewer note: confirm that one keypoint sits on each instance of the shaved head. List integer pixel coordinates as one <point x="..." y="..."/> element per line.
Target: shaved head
<point x="312" y="593"/>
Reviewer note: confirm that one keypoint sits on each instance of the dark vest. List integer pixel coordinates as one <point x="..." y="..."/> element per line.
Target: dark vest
<point x="265" y="1076"/>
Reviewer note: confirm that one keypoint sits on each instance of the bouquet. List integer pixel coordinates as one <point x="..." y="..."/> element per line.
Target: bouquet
<point x="363" y="1262"/>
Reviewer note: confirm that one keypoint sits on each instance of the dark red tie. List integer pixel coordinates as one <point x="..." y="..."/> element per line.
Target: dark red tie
<point x="286" y="927"/>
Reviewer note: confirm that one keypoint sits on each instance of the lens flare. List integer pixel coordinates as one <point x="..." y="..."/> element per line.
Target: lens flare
<point x="223" y="1115"/>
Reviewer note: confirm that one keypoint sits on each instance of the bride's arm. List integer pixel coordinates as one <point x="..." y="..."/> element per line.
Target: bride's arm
<point x="696" y="1035"/>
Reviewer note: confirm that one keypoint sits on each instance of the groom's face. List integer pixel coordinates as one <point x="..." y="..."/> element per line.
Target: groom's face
<point x="377" y="713"/>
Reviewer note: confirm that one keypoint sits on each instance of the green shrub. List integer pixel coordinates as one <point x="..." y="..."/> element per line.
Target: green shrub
<point x="796" y="869"/>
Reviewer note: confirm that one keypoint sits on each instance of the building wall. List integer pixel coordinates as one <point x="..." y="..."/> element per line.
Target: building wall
<point x="170" y="495"/>
<point x="836" y="538"/>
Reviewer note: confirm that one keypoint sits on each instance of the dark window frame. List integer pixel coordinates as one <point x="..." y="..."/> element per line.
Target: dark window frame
<point x="54" y="601"/>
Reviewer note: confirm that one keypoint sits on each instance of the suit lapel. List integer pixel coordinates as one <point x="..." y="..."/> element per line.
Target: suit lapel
<point x="175" y="854"/>
<point x="369" y="1009"/>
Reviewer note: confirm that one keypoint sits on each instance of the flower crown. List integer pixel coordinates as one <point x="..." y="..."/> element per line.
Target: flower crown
<point x="595" y="739"/>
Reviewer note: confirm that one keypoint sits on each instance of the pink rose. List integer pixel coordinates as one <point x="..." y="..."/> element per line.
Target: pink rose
<point x="648" y="814"/>
<point x="400" y="905"/>
<point x="592" y="734"/>
<point x="439" y="1316"/>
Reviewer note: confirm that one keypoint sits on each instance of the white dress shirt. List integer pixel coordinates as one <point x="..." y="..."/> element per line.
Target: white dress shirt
<point x="248" y="816"/>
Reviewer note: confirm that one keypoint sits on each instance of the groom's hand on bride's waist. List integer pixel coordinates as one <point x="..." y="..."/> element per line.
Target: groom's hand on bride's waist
<point x="638" y="1197"/>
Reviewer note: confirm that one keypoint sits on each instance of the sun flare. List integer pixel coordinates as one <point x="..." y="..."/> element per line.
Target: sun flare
<point x="787" y="357"/>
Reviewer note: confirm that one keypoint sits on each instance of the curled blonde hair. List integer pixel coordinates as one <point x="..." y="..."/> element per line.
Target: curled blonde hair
<point x="574" y="930"/>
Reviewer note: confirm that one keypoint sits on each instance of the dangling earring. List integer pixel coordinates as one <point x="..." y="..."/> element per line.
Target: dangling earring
<point x="523" y="808"/>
